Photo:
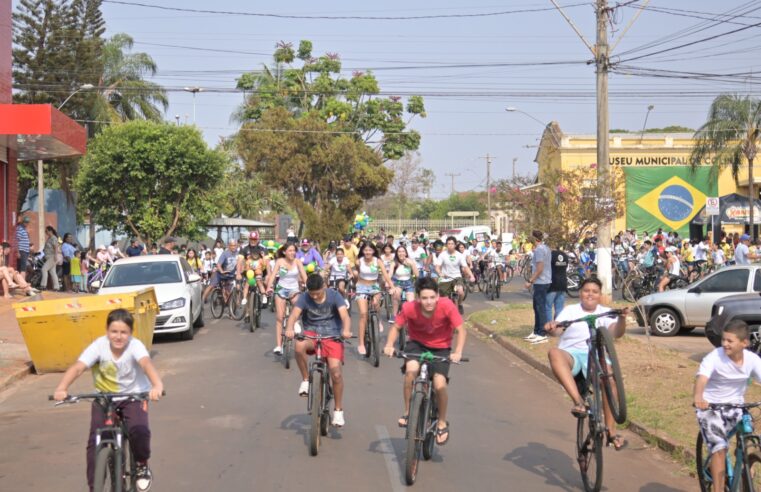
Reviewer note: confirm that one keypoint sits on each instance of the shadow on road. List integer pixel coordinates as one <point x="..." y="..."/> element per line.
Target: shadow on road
<point x="552" y="465"/>
<point x="300" y="423"/>
<point x="657" y="487"/>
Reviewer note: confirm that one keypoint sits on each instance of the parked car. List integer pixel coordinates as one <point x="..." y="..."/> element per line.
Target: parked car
<point x="178" y="289"/>
<point x="684" y="309"/>
<point x="746" y="307"/>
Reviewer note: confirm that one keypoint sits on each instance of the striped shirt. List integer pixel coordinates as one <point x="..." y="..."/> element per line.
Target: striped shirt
<point x="22" y="238"/>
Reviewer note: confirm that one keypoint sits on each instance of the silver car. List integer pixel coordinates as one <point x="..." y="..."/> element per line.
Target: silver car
<point x="684" y="309"/>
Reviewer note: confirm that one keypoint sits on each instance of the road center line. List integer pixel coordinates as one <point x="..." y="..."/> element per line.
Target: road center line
<point x="392" y="461"/>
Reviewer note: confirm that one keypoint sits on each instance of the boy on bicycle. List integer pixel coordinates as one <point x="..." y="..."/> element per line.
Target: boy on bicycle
<point x="723" y="378"/>
<point x="431" y="324"/>
<point x="120" y="364"/>
<point x="571" y="356"/>
<point x="322" y="311"/>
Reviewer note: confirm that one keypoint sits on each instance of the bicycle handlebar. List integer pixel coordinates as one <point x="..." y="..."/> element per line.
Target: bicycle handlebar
<point x="744" y="406"/>
<point x="302" y="336"/>
<point x="591" y="317"/>
<point x="107" y="396"/>
<point x="407" y="355"/>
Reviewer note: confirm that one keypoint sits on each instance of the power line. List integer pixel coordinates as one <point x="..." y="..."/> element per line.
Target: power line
<point x="337" y="17"/>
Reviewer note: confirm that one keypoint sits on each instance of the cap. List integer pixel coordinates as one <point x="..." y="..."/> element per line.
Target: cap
<point x="332" y="244"/>
<point x="170" y="239"/>
<point x="305" y="242"/>
<point x="253" y="235"/>
<point x="671" y="249"/>
<point x="347" y="237"/>
<point x="102" y="246"/>
<point x="744" y="237"/>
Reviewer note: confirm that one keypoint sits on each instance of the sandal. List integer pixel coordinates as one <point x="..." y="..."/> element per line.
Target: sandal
<point x="403" y="420"/>
<point x="440" y="432"/>
<point x="617" y="441"/>
<point x="579" y="411"/>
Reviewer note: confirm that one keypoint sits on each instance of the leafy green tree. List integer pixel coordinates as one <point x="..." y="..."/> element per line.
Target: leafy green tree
<point x="150" y="180"/>
<point x="731" y="134"/>
<point x="301" y="119"/>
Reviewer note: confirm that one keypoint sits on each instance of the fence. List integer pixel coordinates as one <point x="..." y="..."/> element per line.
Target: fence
<point x="396" y="226"/>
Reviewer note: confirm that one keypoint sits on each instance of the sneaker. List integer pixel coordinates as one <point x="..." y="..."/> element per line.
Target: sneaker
<point x="361" y="350"/>
<point x="144" y="478"/>
<point x="539" y="339"/>
<point x="338" y="418"/>
<point x="278" y="350"/>
<point x="347" y="303"/>
<point x="304" y="388"/>
<point x="243" y="302"/>
<point x="264" y="300"/>
<point x="531" y="337"/>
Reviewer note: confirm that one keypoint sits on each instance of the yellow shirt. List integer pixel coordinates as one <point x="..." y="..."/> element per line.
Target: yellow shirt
<point x="351" y="253"/>
<point x="528" y="246"/>
<point x="76" y="269"/>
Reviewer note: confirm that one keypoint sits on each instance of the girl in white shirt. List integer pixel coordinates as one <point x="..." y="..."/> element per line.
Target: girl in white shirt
<point x="339" y="267"/>
<point x="723" y="378"/>
<point x="570" y="357"/>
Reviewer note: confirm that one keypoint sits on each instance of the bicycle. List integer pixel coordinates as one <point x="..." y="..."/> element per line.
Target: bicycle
<point x="285" y="342"/>
<point x="745" y="473"/>
<point x="386" y="303"/>
<point x="97" y="274"/>
<point x="493" y="284"/>
<point x="254" y="308"/>
<point x="227" y="294"/>
<point x="590" y="428"/>
<point x="372" y="331"/>
<point x="320" y="392"/>
<point x="115" y="466"/>
<point x="423" y="417"/>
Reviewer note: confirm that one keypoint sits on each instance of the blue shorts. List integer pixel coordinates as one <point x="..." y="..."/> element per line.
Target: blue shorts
<point x="284" y="293"/>
<point x="368" y="290"/>
<point x="406" y="285"/>
<point x="580" y="360"/>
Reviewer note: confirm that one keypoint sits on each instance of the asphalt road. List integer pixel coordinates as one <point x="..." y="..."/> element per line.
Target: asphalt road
<point x="232" y="421"/>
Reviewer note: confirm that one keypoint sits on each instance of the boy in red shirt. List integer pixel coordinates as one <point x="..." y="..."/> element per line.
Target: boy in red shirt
<point x="431" y="323"/>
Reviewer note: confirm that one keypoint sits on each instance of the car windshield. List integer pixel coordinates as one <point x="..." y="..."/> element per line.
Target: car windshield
<point x="159" y="272"/>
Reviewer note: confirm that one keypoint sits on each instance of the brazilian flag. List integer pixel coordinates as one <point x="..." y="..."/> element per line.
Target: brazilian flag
<point x="666" y="196"/>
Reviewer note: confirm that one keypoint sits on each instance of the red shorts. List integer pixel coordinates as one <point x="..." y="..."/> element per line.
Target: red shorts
<point x="331" y="349"/>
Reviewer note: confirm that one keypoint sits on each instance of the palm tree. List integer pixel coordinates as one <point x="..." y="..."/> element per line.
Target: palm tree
<point x="733" y="131"/>
<point x="123" y="93"/>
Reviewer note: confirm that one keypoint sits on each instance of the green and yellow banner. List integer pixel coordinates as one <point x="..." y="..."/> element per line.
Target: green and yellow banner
<point x="666" y="196"/>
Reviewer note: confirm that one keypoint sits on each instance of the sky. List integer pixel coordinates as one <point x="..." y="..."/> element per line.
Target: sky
<point x="525" y="56"/>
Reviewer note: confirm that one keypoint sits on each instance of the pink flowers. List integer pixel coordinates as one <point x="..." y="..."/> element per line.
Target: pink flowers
<point x="561" y="189"/>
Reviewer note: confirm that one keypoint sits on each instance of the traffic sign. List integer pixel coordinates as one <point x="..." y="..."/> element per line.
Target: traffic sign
<point x="712" y="205"/>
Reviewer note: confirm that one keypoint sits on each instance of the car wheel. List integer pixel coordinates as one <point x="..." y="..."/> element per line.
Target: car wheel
<point x="191" y="331"/>
<point x="664" y="322"/>
<point x="199" y="323"/>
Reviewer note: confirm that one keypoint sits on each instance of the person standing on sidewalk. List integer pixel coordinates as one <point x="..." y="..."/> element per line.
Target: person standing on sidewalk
<point x="541" y="278"/>
<point x="50" y="249"/>
<point x="22" y="243"/>
<point x="559" y="284"/>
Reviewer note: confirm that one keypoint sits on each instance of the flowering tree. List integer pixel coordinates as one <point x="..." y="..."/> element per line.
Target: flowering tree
<point x="564" y="205"/>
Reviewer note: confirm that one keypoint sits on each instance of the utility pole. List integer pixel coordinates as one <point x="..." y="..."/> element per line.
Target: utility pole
<point x="488" y="186"/>
<point x="453" y="176"/>
<point x="603" y="149"/>
<point x="515" y="159"/>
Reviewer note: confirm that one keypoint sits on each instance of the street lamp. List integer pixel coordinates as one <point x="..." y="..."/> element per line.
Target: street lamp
<point x="194" y="91"/>
<point x="41" y="177"/>
<point x="511" y="109"/>
<point x="642" y="134"/>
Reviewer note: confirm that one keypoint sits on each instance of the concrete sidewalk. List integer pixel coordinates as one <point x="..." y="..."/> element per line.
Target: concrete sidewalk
<point x="15" y="362"/>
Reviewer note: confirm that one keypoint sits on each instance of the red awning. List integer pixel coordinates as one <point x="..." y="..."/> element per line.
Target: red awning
<point x="41" y="131"/>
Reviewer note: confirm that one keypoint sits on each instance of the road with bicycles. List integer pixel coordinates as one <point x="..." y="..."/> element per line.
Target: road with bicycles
<point x="232" y="420"/>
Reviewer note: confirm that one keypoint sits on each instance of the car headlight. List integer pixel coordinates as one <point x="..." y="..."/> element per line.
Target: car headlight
<point x="173" y="304"/>
<point x="721" y="310"/>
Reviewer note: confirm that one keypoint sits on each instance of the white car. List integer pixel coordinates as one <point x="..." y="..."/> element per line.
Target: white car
<point x="678" y="310"/>
<point x="178" y="289"/>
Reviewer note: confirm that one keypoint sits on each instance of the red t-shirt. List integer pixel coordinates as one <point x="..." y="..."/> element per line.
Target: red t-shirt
<point x="434" y="332"/>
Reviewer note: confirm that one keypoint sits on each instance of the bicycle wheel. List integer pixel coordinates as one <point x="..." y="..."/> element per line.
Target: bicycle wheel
<point x="430" y="437"/>
<point x="618" y="281"/>
<point x="612" y="381"/>
<point x="415" y="430"/>
<point x="217" y="304"/>
<point x="630" y="288"/>
<point x="106" y="471"/>
<point x="253" y="323"/>
<point x="589" y="453"/>
<point x="702" y="464"/>
<point x="374" y="353"/>
<point x="315" y="391"/>
<point x="388" y="305"/>
<point x="482" y="283"/>
<point x="574" y="282"/>
<point x="497" y="285"/>
<point x="287" y="349"/>
<point x="751" y="479"/>
<point x="493" y="285"/>
<point x="402" y="339"/>
<point x="258" y="311"/>
<point x="237" y="310"/>
<point x="527" y="272"/>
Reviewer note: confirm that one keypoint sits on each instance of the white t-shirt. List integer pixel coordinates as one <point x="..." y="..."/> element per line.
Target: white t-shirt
<point x="700" y="252"/>
<point x="417" y="254"/>
<point x="576" y="335"/>
<point x="727" y="382"/>
<point x="338" y="270"/>
<point x="450" y="265"/>
<point x="122" y="375"/>
<point x="718" y="256"/>
<point x="741" y="254"/>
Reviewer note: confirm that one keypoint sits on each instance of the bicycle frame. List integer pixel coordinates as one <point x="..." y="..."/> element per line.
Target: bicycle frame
<point x="319" y="365"/>
<point x="743" y="441"/>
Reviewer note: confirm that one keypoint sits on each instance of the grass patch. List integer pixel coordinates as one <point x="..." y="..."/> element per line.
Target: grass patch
<point x="658" y="381"/>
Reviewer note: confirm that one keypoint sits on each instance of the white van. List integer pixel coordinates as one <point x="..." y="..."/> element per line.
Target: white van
<point x="481" y="233"/>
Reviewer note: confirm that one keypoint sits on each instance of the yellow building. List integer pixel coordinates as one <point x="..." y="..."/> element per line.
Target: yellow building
<point x="660" y="187"/>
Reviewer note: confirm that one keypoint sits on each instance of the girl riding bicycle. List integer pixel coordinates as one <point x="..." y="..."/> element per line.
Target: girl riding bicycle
<point x="291" y="276"/>
<point x="120" y="364"/>
<point x="403" y="272"/>
<point x="367" y="272"/>
<point x="570" y="357"/>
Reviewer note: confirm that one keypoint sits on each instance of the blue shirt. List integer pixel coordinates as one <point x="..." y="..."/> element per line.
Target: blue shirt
<point x="324" y="318"/>
<point x="22" y="238"/>
<point x="542" y="254"/>
<point x="227" y="262"/>
<point x="68" y="251"/>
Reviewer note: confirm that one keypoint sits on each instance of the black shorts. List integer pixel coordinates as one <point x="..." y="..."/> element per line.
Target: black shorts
<point x="436" y="367"/>
<point x="23" y="257"/>
<point x="66" y="268"/>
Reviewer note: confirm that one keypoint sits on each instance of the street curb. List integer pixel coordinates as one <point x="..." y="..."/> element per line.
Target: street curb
<point x="16" y="376"/>
<point x="649" y="435"/>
